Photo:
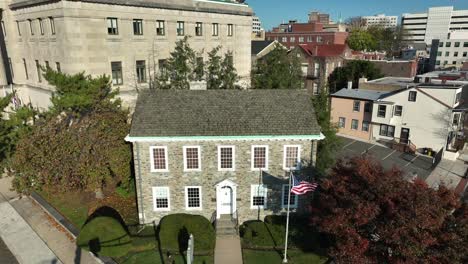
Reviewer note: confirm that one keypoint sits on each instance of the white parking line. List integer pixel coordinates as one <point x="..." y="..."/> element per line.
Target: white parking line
<point x="389" y="154"/>
<point x="368" y="149"/>
<point x="412" y="160"/>
<point x="349" y="144"/>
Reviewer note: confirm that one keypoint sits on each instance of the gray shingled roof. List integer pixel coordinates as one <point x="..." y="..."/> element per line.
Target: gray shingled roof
<point x="259" y="45"/>
<point x="171" y="113"/>
<point x="370" y="95"/>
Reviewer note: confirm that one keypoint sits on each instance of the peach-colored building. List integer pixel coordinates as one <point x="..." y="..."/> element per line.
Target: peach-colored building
<point x="351" y="110"/>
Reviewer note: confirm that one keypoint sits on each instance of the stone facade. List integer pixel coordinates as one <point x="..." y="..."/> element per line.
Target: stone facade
<point x="243" y="175"/>
<point x="73" y="35"/>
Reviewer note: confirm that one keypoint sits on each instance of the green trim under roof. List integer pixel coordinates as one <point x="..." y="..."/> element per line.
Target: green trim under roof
<point x="225" y="138"/>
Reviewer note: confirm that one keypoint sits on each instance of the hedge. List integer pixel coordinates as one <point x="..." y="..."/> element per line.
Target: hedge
<point x="175" y="229"/>
<point x="104" y="236"/>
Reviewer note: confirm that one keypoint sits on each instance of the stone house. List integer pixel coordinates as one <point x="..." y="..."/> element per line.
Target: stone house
<point x="216" y="152"/>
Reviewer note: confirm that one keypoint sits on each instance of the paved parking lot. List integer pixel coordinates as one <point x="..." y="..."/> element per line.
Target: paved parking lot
<point x="411" y="164"/>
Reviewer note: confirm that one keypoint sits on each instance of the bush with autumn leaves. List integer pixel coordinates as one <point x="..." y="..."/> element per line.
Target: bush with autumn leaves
<point x="372" y="215"/>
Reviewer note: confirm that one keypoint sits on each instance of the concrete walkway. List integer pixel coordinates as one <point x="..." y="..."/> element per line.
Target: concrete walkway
<point x="22" y="241"/>
<point x="228" y="250"/>
<point x="448" y="173"/>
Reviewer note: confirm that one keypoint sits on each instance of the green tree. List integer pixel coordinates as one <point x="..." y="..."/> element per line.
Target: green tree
<point x="229" y="75"/>
<point x="214" y="69"/>
<point x="278" y="70"/>
<point x="328" y="147"/>
<point x="352" y="71"/>
<point x="361" y="40"/>
<point x="181" y="65"/>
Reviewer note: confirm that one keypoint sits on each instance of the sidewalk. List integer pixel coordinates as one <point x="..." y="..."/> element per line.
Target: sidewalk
<point x="228" y="250"/>
<point x="448" y="173"/>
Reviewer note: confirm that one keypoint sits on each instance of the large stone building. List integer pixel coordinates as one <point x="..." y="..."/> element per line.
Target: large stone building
<point x="450" y="51"/>
<point x="215" y="153"/>
<point x="128" y="40"/>
<point x="380" y="20"/>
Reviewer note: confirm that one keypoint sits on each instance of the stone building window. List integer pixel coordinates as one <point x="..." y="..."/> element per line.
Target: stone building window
<point x="41" y="25"/>
<point x="230" y="31"/>
<point x="160" y="28"/>
<point x="193" y="198"/>
<point x="215" y="29"/>
<point x="291" y="157"/>
<point x="57" y="66"/>
<point x="116" y="67"/>
<point x="11" y="68"/>
<point x="158" y="158"/>
<point x="137" y="26"/>
<point x="191" y="158"/>
<point x="258" y="196"/>
<point x="284" y="197"/>
<point x="38" y="69"/>
<point x="180" y="28"/>
<point x="199" y="29"/>
<point x="141" y="71"/>
<point x="226" y="158"/>
<point x="161" y="199"/>
<point x="52" y="25"/>
<point x="25" y="69"/>
<point x="259" y="157"/>
<point x="112" y="26"/>
<point x="18" y="28"/>
<point x="31" y="28"/>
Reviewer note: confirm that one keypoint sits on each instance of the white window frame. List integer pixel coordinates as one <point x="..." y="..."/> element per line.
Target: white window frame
<point x="152" y="158"/>
<point x="168" y="199"/>
<point x="254" y="187"/>
<point x="283" y="193"/>
<point x="186" y="198"/>
<point x="298" y="157"/>
<point x="233" y="157"/>
<point x="185" y="158"/>
<point x="253" y="157"/>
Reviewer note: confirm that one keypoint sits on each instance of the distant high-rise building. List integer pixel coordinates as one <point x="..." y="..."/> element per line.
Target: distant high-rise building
<point x="436" y="23"/>
<point x="315" y="16"/>
<point x="381" y="20"/>
<point x="256" y="24"/>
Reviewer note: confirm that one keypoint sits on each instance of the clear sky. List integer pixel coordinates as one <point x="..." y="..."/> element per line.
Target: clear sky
<point x="273" y="12"/>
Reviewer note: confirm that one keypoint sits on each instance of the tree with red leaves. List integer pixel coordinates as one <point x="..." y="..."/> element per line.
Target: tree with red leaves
<point x="375" y="216"/>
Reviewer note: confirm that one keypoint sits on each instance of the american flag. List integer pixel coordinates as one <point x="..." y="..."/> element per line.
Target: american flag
<point x="303" y="187"/>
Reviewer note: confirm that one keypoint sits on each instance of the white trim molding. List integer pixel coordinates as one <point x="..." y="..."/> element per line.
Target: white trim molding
<point x="129" y="138"/>
<point x="199" y="198"/>
<point x="168" y="196"/>
<point x="166" y="158"/>
<point x="233" y="157"/>
<point x="298" y="157"/>
<point x="184" y="150"/>
<point x="252" y="157"/>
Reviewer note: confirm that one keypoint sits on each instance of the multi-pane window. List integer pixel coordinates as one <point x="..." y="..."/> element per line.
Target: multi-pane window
<point x="57" y="66"/>
<point x="160" y="28"/>
<point x="412" y="96"/>
<point x="365" y="126"/>
<point x="199" y="29"/>
<point x="291" y="157"/>
<point x="116" y="67"/>
<point x="38" y="69"/>
<point x="180" y="28"/>
<point x="158" y="157"/>
<point x="18" y="28"/>
<point x="398" y="110"/>
<point x="455" y="54"/>
<point x="356" y="106"/>
<point x="162" y="66"/>
<point x="137" y="26"/>
<point x="193" y="197"/>
<point x="292" y="39"/>
<point x="284" y="197"/>
<point x="441" y="44"/>
<point x="161" y="201"/>
<point x="225" y="157"/>
<point x="387" y="131"/>
<point x="301" y="39"/>
<point x="341" y="122"/>
<point x="309" y="39"/>
<point x="191" y="158"/>
<point x="41" y="25"/>
<point x="230" y="31"/>
<point x="52" y="25"/>
<point x="25" y="69"/>
<point x="465" y="44"/>
<point x="448" y="44"/>
<point x="284" y="39"/>
<point x="354" y="124"/>
<point x="214" y="29"/>
<point x="439" y="53"/>
<point x="316" y="69"/>
<point x="258" y="196"/>
<point x="31" y="28"/>
<point x="259" y="157"/>
<point x="447" y="54"/>
<point x="141" y="71"/>
<point x="112" y="26"/>
<point x="367" y="107"/>
<point x="465" y="53"/>
<point x="319" y="38"/>
<point x="47" y="64"/>
<point x="382" y="110"/>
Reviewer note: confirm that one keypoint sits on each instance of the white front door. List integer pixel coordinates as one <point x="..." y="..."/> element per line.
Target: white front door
<point x="225" y="200"/>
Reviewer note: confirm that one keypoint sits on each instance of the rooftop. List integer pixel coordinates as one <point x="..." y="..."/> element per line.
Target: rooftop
<point x="399" y="81"/>
<point x="325" y="50"/>
<point x="259" y="45"/>
<point x="182" y="113"/>
<point x="369" y="95"/>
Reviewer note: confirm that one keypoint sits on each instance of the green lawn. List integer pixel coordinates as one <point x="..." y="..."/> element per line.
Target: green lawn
<point x="273" y="257"/>
<point x="153" y="257"/>
<point x="69" y="206"/>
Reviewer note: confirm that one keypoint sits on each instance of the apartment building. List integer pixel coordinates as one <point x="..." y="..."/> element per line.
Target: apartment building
<point x="435" y="23"/>
<point x="451" y="51"/>
<point x="256" y="24"/>
<point x="380" y="20"/>
<point x="127" y="40"/>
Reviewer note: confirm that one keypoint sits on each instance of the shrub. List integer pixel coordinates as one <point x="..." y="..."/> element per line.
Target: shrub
<point x="104" y="236"/>
<point x="175" y="230"/>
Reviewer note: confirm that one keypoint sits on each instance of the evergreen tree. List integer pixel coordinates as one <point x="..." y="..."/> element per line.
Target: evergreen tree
<point x="278" y="70"/>
<point x="229" y="75"/>
<point x="181" y="65"/>
<point x="352" y="71"/>
<point x="214" y="69"/>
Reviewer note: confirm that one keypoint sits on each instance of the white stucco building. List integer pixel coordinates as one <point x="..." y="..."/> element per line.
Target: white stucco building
<point x="381" y="20"/>
<point x="435" y="23"/>
<point x="126" y="39"/>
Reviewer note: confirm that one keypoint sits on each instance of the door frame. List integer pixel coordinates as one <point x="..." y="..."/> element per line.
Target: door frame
<point x="401" y="133"/>
<point x="219" y="187"/>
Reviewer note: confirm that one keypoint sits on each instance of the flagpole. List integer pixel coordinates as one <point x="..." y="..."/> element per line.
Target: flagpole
<point x="285" y="259"/>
